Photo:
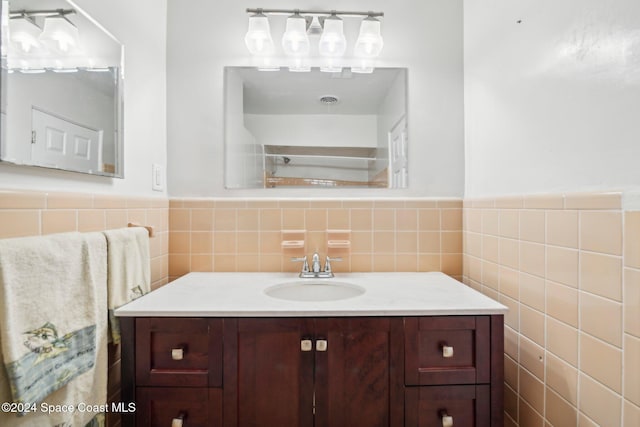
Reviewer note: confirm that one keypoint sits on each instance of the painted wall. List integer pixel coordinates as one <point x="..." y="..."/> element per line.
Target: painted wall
<point x="552" y="94"/>
<point x="140" y="26"/>
<point x="204" y="36"/>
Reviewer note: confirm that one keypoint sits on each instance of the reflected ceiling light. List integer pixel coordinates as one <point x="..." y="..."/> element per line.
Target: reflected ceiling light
<point x="295" y="41"/>
<point x="60" y="34"/>
<point x="369" y="43"/>
<point x="24" y="33"/>
<point x="332" y="41"/>
<point x="258" y="38"/>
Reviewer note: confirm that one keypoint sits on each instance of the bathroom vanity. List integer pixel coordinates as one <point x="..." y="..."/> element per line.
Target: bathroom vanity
<point x="235" y="349"/>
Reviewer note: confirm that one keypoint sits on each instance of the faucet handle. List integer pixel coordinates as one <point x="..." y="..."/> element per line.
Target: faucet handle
<point x="303" y="260"/>
<point x="327" y="263"/>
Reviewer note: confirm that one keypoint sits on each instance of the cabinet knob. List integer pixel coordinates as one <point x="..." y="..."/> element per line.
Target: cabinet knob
<point x="321" y="345"/>
<point x="179" y="420"/>
<point x="306" y="345"/>
<point x="177" y="354"/>
<point x="447" y="351"/>
<point x="447" y="420"/>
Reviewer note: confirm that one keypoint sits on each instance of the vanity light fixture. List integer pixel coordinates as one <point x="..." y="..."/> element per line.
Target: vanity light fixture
<point x="332" y="44"/>
<point x="60" y="34"/>
<point x="258" y="38"/>
<point x="24" y="33"/>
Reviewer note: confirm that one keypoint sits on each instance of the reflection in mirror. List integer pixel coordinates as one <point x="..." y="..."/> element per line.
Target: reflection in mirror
<point x="288" y="129"/>
<point x="61" y="89"/>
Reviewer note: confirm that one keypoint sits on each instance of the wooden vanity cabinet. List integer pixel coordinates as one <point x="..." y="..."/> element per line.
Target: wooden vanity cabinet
<point x="320" y="372"/>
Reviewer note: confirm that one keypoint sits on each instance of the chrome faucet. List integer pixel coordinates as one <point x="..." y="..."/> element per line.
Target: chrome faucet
<point x="316" y="271"/>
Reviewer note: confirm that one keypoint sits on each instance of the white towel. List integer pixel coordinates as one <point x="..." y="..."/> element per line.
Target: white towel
<point x="128" y="270"/>
<point x="53" y="326"/>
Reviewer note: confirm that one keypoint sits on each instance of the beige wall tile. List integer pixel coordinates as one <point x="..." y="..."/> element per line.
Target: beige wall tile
<point x="248" y="242"/>
<point x="532" y="291"/>
<point x="562" y="341"/>
<point x="361" y="219"/>
<point x="601" y="361"/>
<point x="510" y="283"/>
<point x="472" y="220"/>
<point x="584" y="421"/>
<point x="361" y="242"/>
<point x="225" y="219"/>
<point x="601" y="275"/>
<point x="235" y="204"/>
<point x="593" y="312"/>
<point x="509" y="253"/>
<point x="544" y="201"/>
<point x="179" y="219"/>
<point x="202" y="262"/>
<point x="248" y="262"/>
<point x="450" y="204"/>
<point x="179" y="242"/>
<point x="512" y="317"/>
<point x="384" y="219"/>
<point x="593" y="201"/>
<point x="361" y="262"/>
<point x="631" y="415"/>
<point x="19" y="223"/>
<point x="632" y="301"/>
<point x="428" y="220"/>
<point x="473" y="244"/>
<point x="69" y="201"/>
<point x="562" y="265"/>
<point x="198" y="204"/>
<point x="451" y="219"/>
<point x="137" y="216"/>
<point x="429" y="262"/>
<point x="632" y="369"/>
<point x="562" y="378"/>
<point x="632" y="239"/>
<point x="406" y="262"/>
<point x="528" y="417"/>
<point x="562" y="303"/>
<point x="532" y="324"/>
<point x="270" y="262"/>
<point x="261" y="204"/>
<point x="509" y="223"/>
<point x="22" y="200"/>
<point x="532" y="226"/>
<point x="511" y="372"/>
<point x="601" y="232"/>
<point x="408" y="242"/>
<point x="224" y="242"/>
<point x="249" y="219"/>
<point x="599" y="403"/>
<point x="558" y="411"/>
<point x="490" y="223"/>
<point x="271" y="219"/>
<point x="532" y="258"/>
<point x="532" y="357"/>
<point x="179" y="264"/>
<point x="384" y="262"/>
<point x="91" y="220"/>
<point x="511" y="343"/>
<point x="383" y="242"/>
<point x="532" y="390"/>
<point x="490" y="248"/>
<point x="562" y="228"/>
<point x="225" y="263"/>
<point x="201" y="242"/>
<point x="339" y="219"/>
<point x="510" y="405"/>
<point x="59" y="221"/>
<point x="452" y="242"/>
<point x="117" y="218"/>
<point x="510" y="202"/>
<point x="491" y="275"/>
<point x="407" y="219"/>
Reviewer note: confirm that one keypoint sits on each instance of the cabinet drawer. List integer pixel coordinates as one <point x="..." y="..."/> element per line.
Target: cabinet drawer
<point x="181" y="352"/>
<point x="466" y="405"/>
<point x="196" y="407"/>
<point x="447" y="350"/>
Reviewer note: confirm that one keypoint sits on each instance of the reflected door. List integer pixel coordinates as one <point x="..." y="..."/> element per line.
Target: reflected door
<point x="399" y="161"/>
<point x="59" y="143"/>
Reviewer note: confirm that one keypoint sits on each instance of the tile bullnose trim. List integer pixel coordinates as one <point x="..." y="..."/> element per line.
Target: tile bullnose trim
<point x="605" y="200"/>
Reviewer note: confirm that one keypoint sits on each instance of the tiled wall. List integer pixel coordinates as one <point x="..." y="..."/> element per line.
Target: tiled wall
<point x="568" y="268"/>
<point x="37" y="213"/>
<point x="402" y="235"/>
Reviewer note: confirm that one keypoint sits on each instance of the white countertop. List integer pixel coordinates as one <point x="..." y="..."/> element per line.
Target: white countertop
<point x="242" y="295"/>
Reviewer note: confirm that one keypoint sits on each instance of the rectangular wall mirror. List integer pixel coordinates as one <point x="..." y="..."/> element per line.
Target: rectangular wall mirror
<point x="62" y="86"/>
<point x="315" y="129"/>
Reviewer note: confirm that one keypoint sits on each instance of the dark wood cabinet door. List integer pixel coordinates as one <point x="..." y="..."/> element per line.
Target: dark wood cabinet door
<point x="357" y="364"/>
<point x="268" y="377"/>
<point x="196" y="407"/>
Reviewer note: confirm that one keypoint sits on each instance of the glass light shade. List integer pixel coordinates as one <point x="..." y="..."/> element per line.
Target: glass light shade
<point x="60" y="34"/>
<point x="332" y="41"/>
<point x="295" y="41"/>
<point x="369" y="43"/>
<point x="24" y="34"/>
<point x="258" y="38"/>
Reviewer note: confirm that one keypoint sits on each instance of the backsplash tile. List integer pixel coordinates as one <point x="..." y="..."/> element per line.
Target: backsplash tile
<point x="568" y="268"/>
<point x="386" y="235"/>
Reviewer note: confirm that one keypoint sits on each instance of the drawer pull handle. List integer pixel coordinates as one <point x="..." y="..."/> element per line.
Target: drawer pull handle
<point x="321" y="345"/>
<point x="447" y="420"/>
<point x="177" y="354"/>
<point x="306" y="345"/>
<point x="447" y="351"/>
<point x="179" y="420"/>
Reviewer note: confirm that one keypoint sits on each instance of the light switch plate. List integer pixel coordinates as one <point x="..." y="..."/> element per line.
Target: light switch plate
<point x="157" y="177"/>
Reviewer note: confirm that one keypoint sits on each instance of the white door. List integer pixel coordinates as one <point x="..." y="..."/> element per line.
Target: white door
<point x="398" y="159"/>
<point x="59" y="143"/>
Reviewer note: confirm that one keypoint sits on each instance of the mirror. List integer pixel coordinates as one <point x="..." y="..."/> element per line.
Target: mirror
<point x="62" y="86"/>
<point x="315" y="129"/>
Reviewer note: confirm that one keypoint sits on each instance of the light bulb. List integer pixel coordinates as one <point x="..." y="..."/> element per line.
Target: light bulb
<point x="332" y="41"/>
<point x="295" y="41"/>
<point x="369" y="43"/>
<point x="258" y="38"/>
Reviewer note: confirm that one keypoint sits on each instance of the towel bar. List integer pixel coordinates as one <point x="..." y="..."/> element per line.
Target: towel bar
<point x="148" y="227"/>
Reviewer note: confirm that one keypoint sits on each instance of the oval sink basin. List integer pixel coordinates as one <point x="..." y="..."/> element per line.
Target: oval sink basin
<point x="314" y="290"/>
